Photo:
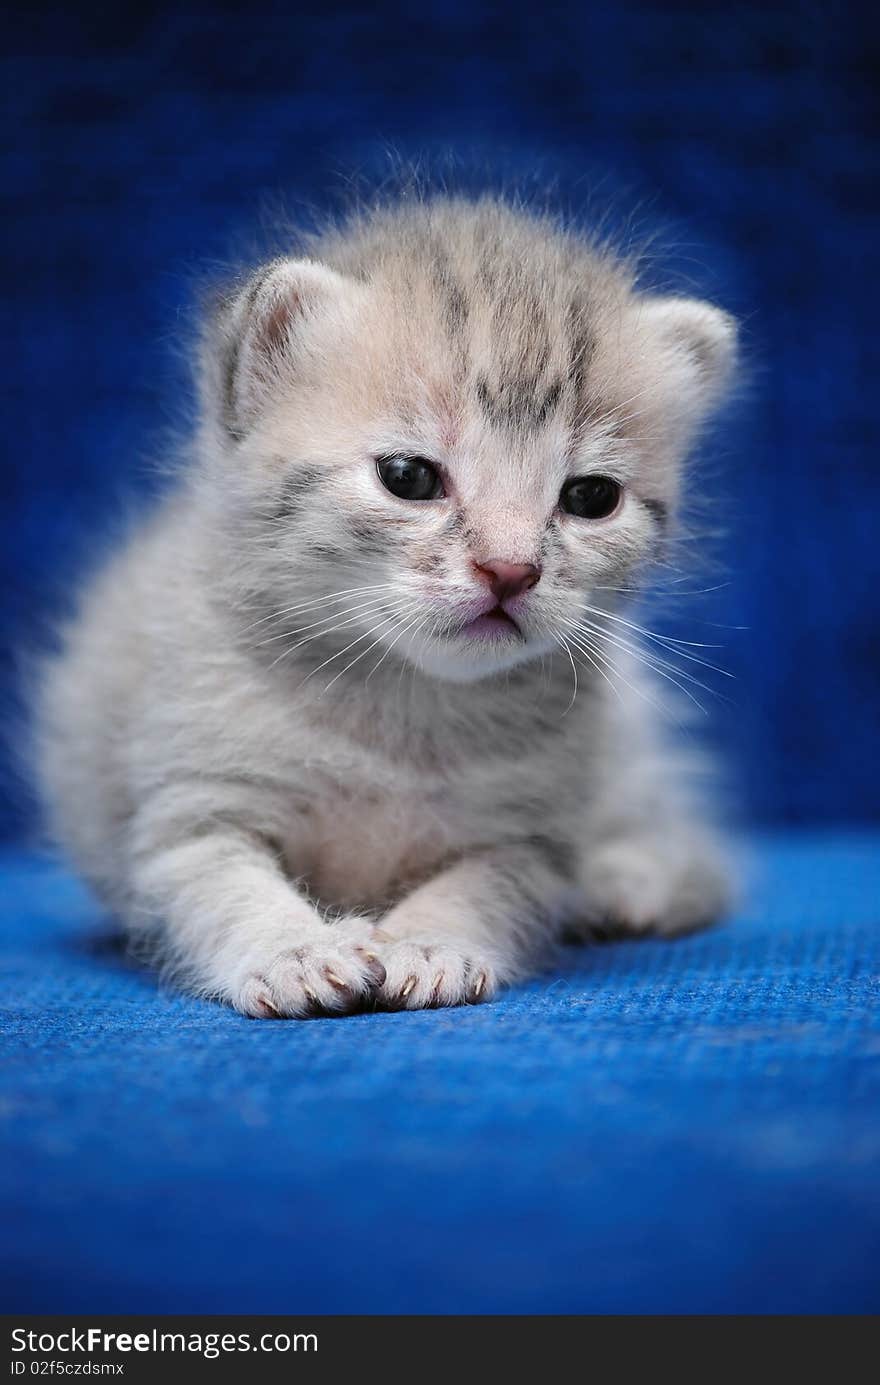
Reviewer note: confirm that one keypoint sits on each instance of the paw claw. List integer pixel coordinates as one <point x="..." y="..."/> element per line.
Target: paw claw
<point x="335" y="970"/>
<point x="377" y="970"/>
<point x="427" y="973"/>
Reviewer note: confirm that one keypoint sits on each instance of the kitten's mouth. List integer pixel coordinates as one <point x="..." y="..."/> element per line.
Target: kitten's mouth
<point x="492" y="624"/>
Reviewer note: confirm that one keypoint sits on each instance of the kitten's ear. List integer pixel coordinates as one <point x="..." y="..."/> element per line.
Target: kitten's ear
<point x="696" y="344"/>
<point x="254" y="341"/>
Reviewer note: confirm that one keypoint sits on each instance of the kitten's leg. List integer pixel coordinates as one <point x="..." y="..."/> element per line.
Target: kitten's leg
<point x="476" y="925"/>
<point x="666" y="878"/>
<point x="235" y="927"/>
<point x="650" y="861"/>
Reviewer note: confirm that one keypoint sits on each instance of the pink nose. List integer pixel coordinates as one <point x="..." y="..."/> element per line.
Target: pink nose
<point x="505" y="580"/>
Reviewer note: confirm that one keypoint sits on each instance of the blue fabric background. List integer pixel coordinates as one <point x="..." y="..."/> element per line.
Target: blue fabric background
<point x="657" y="1127"/>
<point x="653" y="1127"/>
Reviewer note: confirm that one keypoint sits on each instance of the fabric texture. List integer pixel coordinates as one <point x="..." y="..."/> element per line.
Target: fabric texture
<point x="659" y="1127"/>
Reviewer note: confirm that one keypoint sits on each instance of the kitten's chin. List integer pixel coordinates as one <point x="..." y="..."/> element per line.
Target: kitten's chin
<point x="458" y="661"/>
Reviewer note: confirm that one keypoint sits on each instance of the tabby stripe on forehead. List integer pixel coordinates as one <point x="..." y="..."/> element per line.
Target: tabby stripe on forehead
<point x="582" y="348"/>
<point x="453" y="299"/>
<point x="522" y="395"/>
<point x="518" y="403"/>
<point x="520" y="319"/>
<point x="551" y="399"/>
<point x="456" y="307"/>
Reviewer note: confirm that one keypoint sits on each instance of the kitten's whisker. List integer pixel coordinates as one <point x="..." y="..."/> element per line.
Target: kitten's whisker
<point x="563" y="643"/>
<point x="366" y="606"/>
<point x="657" y="666"/>
<point x="406" y="664"/>
<point x="667" y="641"/>
<point x="366" y="651"/>
<point x="317" y="601"/>
<point x="388" y="620"/>
<point x="319" y="634"/>
<point x="418" y="622"/>
<point x="325" y="631"/>
<point x="593" y="653"/>
<point x="659" y="588"/>
<point x="649" y="657"/>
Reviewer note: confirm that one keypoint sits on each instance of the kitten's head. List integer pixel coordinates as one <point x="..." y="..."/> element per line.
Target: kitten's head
<point x="449" y="427"/>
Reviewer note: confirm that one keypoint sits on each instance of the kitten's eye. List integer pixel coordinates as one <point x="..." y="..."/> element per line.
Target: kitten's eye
<point x="591" y="497"/>
<point x="410" y="478"/>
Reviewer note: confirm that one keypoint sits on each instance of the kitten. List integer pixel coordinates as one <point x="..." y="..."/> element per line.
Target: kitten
<point x="354" y="717"/>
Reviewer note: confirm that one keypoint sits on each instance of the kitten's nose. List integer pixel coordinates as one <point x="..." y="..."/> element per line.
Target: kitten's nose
<point x="505" y="580"/>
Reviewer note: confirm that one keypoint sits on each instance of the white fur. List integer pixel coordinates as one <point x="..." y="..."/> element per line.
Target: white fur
<point x="265" y="743"/>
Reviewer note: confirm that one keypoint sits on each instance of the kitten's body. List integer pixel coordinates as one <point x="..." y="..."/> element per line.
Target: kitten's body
<point x="269" y="730"/>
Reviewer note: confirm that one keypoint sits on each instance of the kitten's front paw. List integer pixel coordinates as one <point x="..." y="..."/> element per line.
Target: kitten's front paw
<point x="333" y="976"/>
<point x="643" y="886"/>
<point x="425" y="975"/>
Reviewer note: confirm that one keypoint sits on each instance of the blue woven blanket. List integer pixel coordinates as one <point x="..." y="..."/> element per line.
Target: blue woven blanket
<point x="662" y="1127"/>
